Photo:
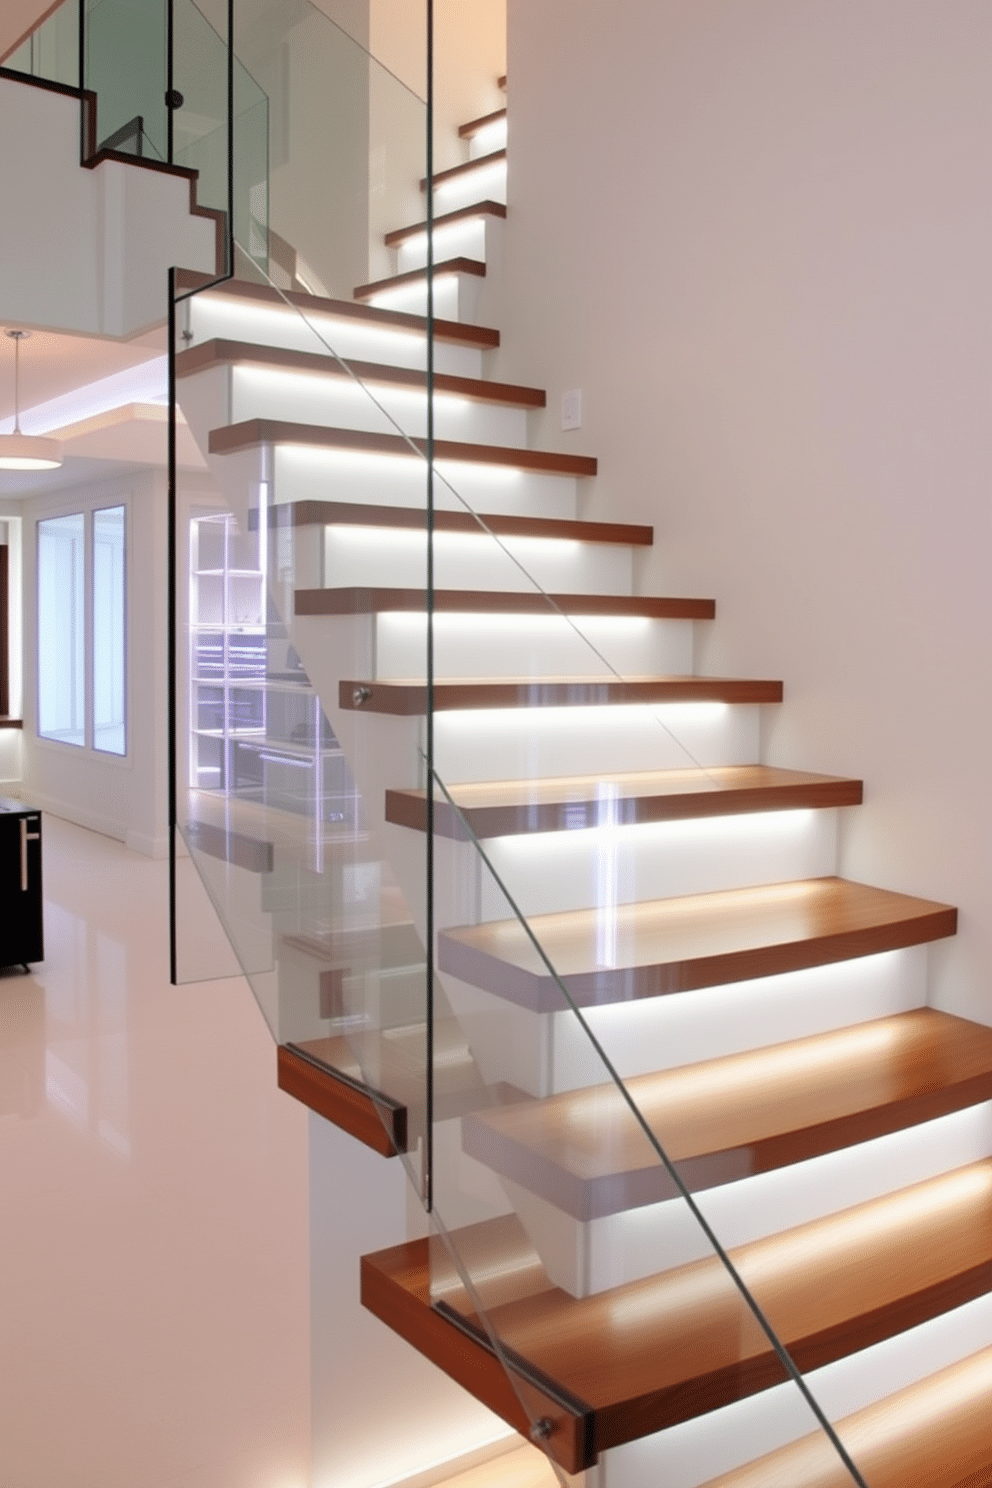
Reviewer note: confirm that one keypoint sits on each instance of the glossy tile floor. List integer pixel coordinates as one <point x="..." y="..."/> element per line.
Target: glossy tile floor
<point x="153" y="1206"/>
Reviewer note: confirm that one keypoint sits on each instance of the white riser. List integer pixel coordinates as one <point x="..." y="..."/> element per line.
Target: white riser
<point x="456" y="297"/>
<point x="488" y="183"/>
<point x="525" y="743"/>
<point x="588" y="1258"/>
<point x="699" y="1450"/>
<point x="394" y="646"/>
<point x="485" y="141"/>
<point x="488" y="645"/>
<point x="470" y="238"/>
<point x="308" y="330"/>
<point x="346" y="403"/>
<point x="555" y="871"/>
<point x="302" y="473"/>
<point x="542" y="1053"/>
<point x="375" y="555"/>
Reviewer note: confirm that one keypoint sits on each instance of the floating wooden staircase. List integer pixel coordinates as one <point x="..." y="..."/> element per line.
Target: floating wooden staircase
<point x="771" y="1027"/>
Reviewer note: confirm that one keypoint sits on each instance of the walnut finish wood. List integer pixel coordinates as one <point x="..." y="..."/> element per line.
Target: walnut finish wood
<point x="222" y="353"/>
<point x="471" y="266"/>
<point x="933" y="1434"/>
<point x="6" y="722"/>
<point x="393" y="1063"/>
<point x="254" y="432"/>
<point x="444" y="330"/>
<point x="466" y="131"/>
<point x="729" y="1118"/>
<point x="365" y="600"/>
<point x="357" y="514"/>
<point x="477" y="209"/>
<point x="671" y="1347"/>
<point x="396" y="1287"/>
<point x="466" y="168"/>
<point x="249" y="853"/>
<point x="664" y="946"/>
<point x="506" y="808"/>
<point x="409" y="699"/>
<point x="367" y="1114"/>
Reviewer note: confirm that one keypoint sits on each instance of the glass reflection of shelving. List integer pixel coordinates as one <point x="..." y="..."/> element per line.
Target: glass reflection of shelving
<point x="257" y="730"/>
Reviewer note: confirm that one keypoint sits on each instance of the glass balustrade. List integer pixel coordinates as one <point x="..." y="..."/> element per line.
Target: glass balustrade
<point x="498" y="857"/>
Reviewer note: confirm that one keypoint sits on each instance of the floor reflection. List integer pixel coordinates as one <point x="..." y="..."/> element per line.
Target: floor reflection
<point x="22" y="1045"/>
<point x="153" y="1206"/>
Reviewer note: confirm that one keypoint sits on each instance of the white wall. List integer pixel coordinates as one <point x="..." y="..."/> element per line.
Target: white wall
<point x="469" y="56"/>
<point x="758" y="236"/>
<point x="124" y="798"/>
<point x="91" y="248"/>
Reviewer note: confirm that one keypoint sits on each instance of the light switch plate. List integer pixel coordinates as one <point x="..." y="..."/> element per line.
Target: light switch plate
<point x="571" y="409"/>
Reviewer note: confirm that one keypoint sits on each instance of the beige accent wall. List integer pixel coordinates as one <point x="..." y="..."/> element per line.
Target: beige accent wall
<point x="759" y="236"/>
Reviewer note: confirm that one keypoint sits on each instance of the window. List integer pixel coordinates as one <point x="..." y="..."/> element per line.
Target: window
<point x="108" y="630"/>
<point x="61" y="673"/>
<point x="82" y="692"/>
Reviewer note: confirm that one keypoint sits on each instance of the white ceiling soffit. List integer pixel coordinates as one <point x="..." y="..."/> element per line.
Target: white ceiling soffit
<point x="54" y="367"/>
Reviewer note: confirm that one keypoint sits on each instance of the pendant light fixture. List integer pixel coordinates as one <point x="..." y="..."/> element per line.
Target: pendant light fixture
<point x="25" y="451"/>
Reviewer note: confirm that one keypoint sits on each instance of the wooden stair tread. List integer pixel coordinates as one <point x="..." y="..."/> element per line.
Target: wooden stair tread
<point x="675" y="945"/>
<point x="466" y="131"/>
<point x="370" y="1115"/>
<point x="408" y="697"/>
<point x="503" y="808"/>
<point x="651" y="1353"/>
<point x="472" y="266"/>
<point x="393" y="1061"/>
<point x="360" y="514"/>
<point x="726" y="1119"/>
<point x="253" y="432"/>
<point x="457" y="331"/>
<point x="445" y="219"/>
<point x="932" y="1434"/>
<point x="220" y="352"/>
<point x="366" y="599"/>
<point x="481" y="162"/>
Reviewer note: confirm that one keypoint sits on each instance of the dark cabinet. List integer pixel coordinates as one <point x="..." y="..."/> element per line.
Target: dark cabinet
<point x="21" y="928"/>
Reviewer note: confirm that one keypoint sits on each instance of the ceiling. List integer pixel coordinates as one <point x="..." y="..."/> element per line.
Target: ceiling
<point x="102" y="430"/>
<point x="53" y="364"/>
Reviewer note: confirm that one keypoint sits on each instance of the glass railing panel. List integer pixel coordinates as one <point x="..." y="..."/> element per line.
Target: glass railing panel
<point x="280" y="798"/>
<point x="574" y="1245"/>
<point x="275" y="822"/>
<point x="340" y="119"/>
<point x="125" y="64"/>
<point x="200" y="126"/>
<point x="52" y="50"/>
